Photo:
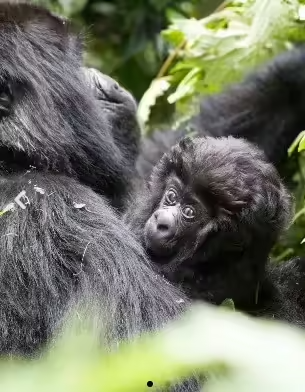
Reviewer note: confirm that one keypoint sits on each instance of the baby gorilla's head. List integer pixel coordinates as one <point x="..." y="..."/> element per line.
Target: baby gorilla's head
<point x="213" y="188"/>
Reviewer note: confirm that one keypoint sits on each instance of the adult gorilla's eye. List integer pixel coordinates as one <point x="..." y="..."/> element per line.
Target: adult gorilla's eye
<point x="171" y="197"/>
<point x="188" y="212"/>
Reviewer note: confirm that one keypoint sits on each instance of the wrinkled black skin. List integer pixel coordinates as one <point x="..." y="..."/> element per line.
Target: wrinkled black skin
<point x="267" y="108"/>
<point x="241" y="208"/>
<point x="55" y="253"/>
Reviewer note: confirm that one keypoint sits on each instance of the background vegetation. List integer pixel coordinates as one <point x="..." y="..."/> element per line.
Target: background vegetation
<point x="169" y="53"/>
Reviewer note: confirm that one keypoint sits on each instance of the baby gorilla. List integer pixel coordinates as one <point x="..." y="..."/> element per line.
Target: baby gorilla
<point x="212" y="211"/>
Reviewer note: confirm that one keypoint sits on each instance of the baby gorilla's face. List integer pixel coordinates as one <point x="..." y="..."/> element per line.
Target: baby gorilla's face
<point x="208" y="188"/>
<point x="177" y="220"/>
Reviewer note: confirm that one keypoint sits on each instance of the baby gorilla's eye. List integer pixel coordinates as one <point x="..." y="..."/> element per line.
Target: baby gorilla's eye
<point x="188" y="212"/>
<point x="171" y="197"/>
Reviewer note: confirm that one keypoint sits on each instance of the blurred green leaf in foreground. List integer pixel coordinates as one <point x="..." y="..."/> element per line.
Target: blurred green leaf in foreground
<point x="235" y="352"/>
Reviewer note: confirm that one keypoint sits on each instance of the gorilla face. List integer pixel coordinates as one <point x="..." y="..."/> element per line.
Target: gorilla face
<point x="209" y="189"/>
<point x="177" y="219"/>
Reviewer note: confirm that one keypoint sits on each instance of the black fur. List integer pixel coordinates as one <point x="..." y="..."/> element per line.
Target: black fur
<point x="242" y="208"/>
<point x="41" y="66"/>
<point x="64" y="244"/>
<point x="267" y="108"/>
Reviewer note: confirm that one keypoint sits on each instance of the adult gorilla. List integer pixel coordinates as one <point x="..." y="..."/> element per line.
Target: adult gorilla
<point x="60" y="241"/>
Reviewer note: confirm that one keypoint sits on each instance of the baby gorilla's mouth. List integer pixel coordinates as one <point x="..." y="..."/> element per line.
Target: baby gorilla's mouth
<point x="160" y="250"/>
<point x="157" y="246"/>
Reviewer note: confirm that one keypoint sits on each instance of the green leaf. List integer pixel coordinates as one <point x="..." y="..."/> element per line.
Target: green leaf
<point x="296" y="143"/>
<point x="157" y="88"/>
<point x="186" y="86"/>
<point x="173" y="36"/>
<point x="228" y="303"/>
<point x="190" y="29"/>
<point x="302" y="143"/>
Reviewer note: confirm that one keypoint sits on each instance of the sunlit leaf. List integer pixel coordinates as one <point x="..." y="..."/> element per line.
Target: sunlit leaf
<point x="228" y="303"/>
<point x="156" y="89"/>
<point x="296" y="143"/>
<point x="302" y="143"/>
<point x="302" y="12"/>
<point x="186" y="86"/>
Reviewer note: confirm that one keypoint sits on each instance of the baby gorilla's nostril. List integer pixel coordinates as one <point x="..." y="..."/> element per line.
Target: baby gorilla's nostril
<point x="162" y="227"/>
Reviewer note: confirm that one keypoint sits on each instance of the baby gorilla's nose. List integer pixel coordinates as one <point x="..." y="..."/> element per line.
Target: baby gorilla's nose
<point x="165" y="224"/>
<point x="160" y="231"/>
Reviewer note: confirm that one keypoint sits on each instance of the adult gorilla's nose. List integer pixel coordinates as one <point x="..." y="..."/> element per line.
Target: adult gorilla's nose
<point x="107" y="89"/>
<point x="165" y="224"/>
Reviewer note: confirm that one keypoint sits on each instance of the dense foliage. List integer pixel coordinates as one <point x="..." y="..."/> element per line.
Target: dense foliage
<point x="124" y="36"/>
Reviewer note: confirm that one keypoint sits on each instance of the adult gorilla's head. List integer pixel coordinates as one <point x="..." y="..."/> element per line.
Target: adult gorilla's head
<point x="49" y="118"/>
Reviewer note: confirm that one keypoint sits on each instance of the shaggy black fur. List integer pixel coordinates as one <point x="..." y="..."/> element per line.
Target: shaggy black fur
<point x="60" y="241"/>
<point x="212" y="211"/>
<point x="267" y="108"/>
<point x="41" y="73"/>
